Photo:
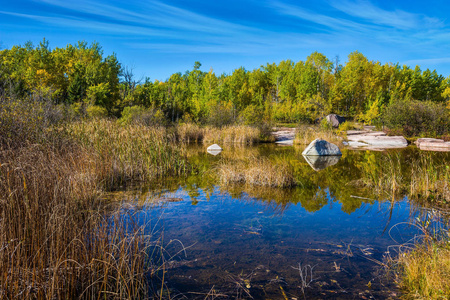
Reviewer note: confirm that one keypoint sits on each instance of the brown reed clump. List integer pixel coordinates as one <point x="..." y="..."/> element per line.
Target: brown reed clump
<point x="130" y="152"/>
<point x="257" y="171"/>
<point x="55" y="237"/>
<point x="306" y="134"/>
<point x="423" y="269"/>
<point x="58" y="238"/>
<point x="430" y="180"/>
<point x="238" y="134"/>
<point x="189" y="133"/>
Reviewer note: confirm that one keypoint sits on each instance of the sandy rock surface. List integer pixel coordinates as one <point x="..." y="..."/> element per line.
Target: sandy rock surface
<point x="430" y="144"/>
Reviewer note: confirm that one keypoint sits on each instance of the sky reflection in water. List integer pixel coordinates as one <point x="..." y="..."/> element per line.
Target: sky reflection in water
<point x="244" y="242"/>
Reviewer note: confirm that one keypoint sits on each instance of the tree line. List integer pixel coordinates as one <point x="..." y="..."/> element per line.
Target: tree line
<point x="82" y="77"/>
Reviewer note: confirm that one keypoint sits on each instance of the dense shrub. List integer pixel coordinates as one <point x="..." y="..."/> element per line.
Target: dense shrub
<point x="252" y="115"/>
<point x="416" y="118"/>
<point x="221" y="114"/>
<point x="139" y="115"/>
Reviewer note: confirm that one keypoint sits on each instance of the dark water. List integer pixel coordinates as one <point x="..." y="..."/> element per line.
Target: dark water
<point x="326" y="239"/>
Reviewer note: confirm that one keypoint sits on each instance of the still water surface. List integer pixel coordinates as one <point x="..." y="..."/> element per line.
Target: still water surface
<point x="326" y="239"/>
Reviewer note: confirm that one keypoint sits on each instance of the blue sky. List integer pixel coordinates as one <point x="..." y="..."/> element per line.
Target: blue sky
<point x="157" y="38"/>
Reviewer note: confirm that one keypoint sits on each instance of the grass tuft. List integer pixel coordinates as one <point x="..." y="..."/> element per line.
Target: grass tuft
<point x="257" y="171"/>
<point x="306" y="134"/>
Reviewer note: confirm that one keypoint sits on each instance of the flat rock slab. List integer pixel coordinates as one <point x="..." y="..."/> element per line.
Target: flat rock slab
<point x="353" y="132"/>
<point x="320" y="147"/>
<point x="284" y="136"/>
<point x="288" y="142"/>
<point x="378" y="139"/>
<point x="430" y="144"/>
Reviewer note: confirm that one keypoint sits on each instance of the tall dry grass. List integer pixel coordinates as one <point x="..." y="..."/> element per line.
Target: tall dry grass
<point x="230" y="134"/>
<point x="58" y="238"/>
<point x="189" y="133"/>
<point x="259" y="171"/>
<point x="238" y="134"/>
<point x="423" y="269"/>
<point x="306" y="134"/>
<point x="130" y="152"/>
<point x="430" y="180"/>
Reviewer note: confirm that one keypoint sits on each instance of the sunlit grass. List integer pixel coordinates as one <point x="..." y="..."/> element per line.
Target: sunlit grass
<point x="425" y="272"/>
<point x="130" y="152"/>
<point x="430" y="180"/>
<point x="257" y="171"/>
<point x="58" y="238"/>
<point x="231" y="134"/>
<point x="305" y="134"/>
<point x="423" y="269"/>
<point x="238" y="134"/>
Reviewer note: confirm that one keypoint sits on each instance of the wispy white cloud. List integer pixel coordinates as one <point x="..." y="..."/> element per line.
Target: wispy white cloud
<point x="238" y="45"/>
<point x="91" y="25"/>
<point x="363" y="20"/>
<point x="399" y="19"/>
<point x="287" y="30"/>
<point x="170" y="29"/>
<point x="429" y="61"/>
<point x="332" y="23"/>
<point x="153" y="14"/>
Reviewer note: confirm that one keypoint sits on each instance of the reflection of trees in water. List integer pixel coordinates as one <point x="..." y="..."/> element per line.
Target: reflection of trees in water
<point x="359" y="177"/>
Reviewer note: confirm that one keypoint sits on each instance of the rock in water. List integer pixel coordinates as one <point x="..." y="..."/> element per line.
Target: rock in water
<point x="335" y="120"/>
<point x="321" y="147"/>
<point x="321" y="162"/>
<point x="214" y="149"/>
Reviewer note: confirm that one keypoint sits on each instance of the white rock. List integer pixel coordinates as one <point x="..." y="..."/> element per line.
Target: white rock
<point x="214" y="152"/>
<point x="214" y="147"/>
<point x="321" y="147"/>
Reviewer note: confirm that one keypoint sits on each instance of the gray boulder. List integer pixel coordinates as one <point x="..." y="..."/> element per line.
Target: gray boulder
<point x="335" y="120"/>
<point x="321" y="162"/>
<point x="321" y="147"/>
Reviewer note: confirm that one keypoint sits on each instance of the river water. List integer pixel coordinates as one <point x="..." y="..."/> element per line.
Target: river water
<point x="327" y="238"/>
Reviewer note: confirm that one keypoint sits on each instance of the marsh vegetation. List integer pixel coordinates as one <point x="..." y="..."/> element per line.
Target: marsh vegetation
<point x="76" y="129"/>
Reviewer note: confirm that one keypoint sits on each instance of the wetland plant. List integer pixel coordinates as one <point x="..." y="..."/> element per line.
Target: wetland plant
<point x="423" y="268"/>
<point x="58" y="238"/>
<point x="305" y="134"/>
<point x="257" y="171"/>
